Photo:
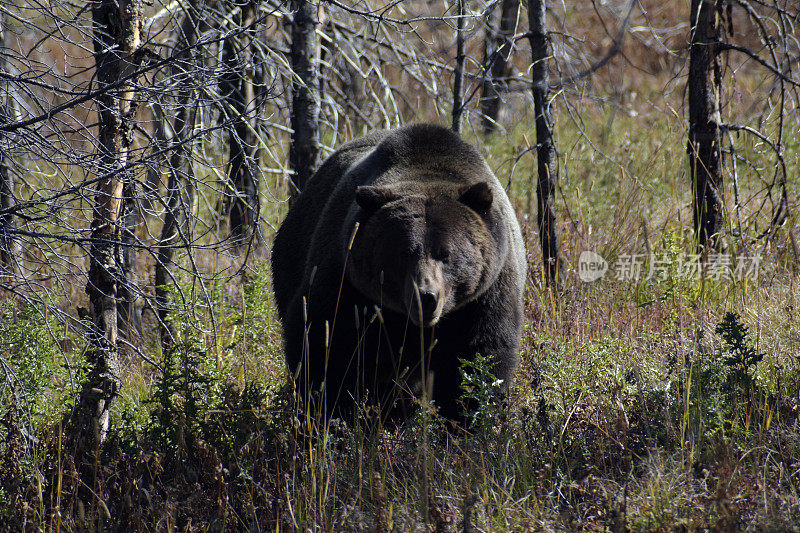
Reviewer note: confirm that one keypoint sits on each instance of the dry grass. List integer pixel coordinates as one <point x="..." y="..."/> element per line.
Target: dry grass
<point x="623" y="415"/>
<point x="620" y="417"/>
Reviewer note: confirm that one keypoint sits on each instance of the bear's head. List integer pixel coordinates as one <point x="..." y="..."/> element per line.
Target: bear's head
<point x="424" y="251"/>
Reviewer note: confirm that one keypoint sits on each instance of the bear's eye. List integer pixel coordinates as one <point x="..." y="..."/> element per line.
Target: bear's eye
<point x="441" y="254"/>
<point x="409" y="253"/>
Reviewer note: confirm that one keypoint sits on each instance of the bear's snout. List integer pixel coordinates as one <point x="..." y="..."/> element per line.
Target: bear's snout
<point x="429" y="300"/>
<point x="425" y="308"/>
<point x="424" y="297"/>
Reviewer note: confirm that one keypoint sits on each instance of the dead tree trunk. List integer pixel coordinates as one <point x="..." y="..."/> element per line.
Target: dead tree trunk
<point x="129" y="300"/>
<point x="116" y="27"/>
<point x="458" y="76"/>
<point x="705" y="136"/>
<point x="180" y="183"/>
<point x="7" y="242"/>
<point x="158" y="158"/>
<point x="238" y="93"/>
<point x="490" y="30"/>
<point x="545" y="148"/>
<point x="497" y="54"/>
<point x="304" y="151"/>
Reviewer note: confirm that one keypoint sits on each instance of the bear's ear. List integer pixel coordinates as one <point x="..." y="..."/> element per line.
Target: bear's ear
<point x="478" y="196"/>
<point x="372" y="198"/>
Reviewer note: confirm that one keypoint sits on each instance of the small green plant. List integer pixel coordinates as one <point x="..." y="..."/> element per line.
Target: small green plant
<point x="255" y="340"/>
<point x="181" y="394"/>
<point x="741" y="357"/>
<point x="479" y="390"/>
<point x="35" y="362"/>
<point x="720" y="390"/>
<point x="37" y="384"/>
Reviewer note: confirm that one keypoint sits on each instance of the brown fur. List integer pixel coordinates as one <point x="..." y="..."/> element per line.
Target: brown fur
<point x="434" y="272"/>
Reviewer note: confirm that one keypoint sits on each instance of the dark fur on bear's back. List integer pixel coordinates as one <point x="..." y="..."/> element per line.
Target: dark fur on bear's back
<point x="435" y="271"/>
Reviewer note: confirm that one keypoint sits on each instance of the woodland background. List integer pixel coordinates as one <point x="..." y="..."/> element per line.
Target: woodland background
<point x="149" y="150"/>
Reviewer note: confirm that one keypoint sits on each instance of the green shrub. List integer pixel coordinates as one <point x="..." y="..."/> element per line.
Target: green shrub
<point x="36" y="358"/>
<point x="739" y="355"/>
<point x="479" y="391"/>
<point x="38" y="386"/>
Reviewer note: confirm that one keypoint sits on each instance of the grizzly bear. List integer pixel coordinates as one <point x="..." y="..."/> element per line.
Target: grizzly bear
<point x="401" y="256"/>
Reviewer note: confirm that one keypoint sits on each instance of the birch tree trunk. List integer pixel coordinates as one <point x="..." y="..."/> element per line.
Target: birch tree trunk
<point x="547" y="166"/>
<point x="116" y="35"/>
<point x="705" y="136"/>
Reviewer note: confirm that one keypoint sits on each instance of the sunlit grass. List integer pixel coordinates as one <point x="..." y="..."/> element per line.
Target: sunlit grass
<point x="621" y="414"/>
